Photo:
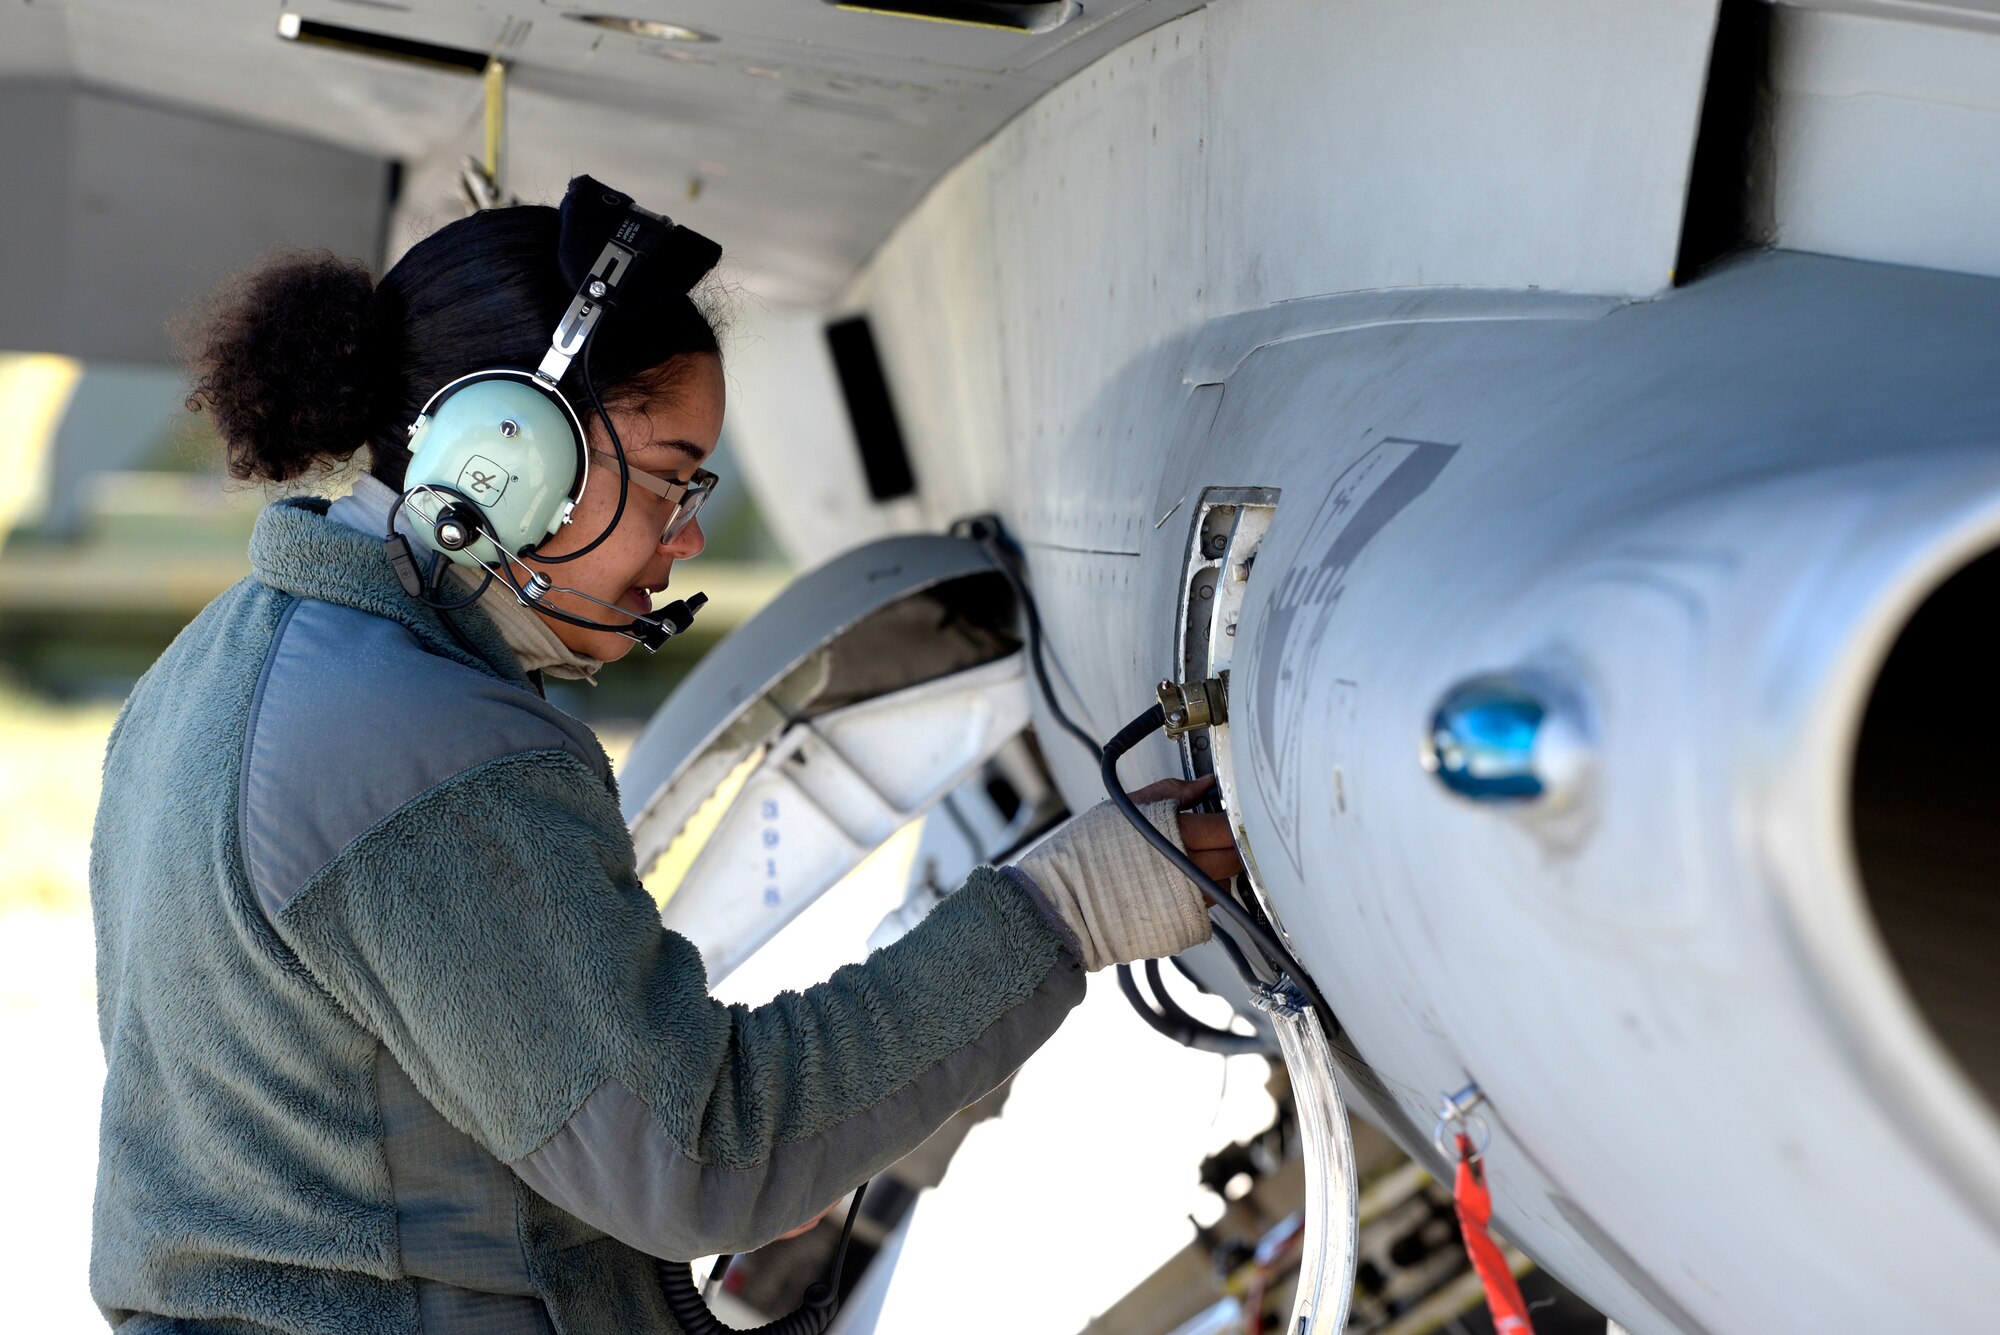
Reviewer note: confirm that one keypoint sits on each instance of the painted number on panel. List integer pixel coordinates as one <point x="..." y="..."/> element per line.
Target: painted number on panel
<point x="768" y="811"/>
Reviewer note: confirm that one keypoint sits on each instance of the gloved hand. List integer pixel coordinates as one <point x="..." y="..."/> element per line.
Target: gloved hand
<point x="1114" y="893"/>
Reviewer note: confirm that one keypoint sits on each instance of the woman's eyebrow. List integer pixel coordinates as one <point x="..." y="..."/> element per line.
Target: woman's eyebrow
<point x="686" y="447"/>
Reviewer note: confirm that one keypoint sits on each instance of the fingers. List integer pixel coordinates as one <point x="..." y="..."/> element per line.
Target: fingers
<point x="1206" y="836"/>
<point x="1211" y="845"/>
<point x="1205" y="831"/>
<point x="1219" y="864"/>
<point x="1183" y="792"/>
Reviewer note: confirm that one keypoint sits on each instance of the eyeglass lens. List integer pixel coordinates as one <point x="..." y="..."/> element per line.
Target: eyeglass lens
<point x="697" y="494"/>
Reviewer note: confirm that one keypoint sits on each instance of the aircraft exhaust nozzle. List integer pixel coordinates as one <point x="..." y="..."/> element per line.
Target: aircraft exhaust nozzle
<point x="1709" y="790"/>
<point x="1884" y="829"/>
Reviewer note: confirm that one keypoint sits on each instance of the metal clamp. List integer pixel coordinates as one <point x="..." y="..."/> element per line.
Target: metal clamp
<point x="1282" y="998"/>
<point x="1457" y="1112"/>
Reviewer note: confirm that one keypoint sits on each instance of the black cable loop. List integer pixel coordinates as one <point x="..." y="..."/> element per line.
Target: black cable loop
<point x="1173" y="1011"/>
<point x="1172" y="1022"/>
<point x="440" y="566"/>
<point x="445" y="610"/>
<point x="815" y="1314"/>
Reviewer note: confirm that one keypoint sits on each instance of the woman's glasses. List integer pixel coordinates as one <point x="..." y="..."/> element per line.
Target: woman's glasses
<point x="687" y="497"/>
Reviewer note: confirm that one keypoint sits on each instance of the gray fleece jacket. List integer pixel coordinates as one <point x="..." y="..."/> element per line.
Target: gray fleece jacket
<point x="396" y="1041"/>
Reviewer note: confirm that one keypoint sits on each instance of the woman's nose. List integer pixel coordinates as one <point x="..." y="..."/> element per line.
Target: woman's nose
<point x="686" y="543"/>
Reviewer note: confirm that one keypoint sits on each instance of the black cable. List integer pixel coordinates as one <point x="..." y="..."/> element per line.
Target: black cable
<point x="435" y="585"/>
<point x="986" y="533"/>
<point x="617" y="449"/>
<point x="832" y="1295"/>
<point x="1174" y="1023"/>
<point x="1235" y="952"/>
<point x="1266" y="940"/>
<point x="1173" y="1011"/>
<point x="427" y="586"/>
<point x="1181" y="968"/>
<point x="815" y="1314"/>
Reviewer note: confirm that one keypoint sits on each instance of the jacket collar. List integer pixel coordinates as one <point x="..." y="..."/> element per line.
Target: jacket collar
<point x="297" y="549"/>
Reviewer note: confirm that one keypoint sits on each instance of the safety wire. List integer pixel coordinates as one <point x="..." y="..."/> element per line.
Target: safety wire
<point x="986" y="531"/>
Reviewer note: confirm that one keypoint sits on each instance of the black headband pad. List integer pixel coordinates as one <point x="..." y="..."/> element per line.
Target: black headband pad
<point x="675" y="257"/>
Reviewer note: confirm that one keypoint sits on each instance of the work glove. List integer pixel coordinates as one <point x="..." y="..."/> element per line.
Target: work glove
<point x="1113" y="892"/>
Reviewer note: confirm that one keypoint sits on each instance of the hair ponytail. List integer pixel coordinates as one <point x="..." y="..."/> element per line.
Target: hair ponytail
<point x="295" y="363"/>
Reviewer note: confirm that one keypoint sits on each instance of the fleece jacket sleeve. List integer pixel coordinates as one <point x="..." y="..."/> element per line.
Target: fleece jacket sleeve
<point x="493" y="932"/>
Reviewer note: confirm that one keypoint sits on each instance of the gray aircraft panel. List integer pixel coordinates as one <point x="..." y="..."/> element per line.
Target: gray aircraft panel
<point x="811" y="612"/>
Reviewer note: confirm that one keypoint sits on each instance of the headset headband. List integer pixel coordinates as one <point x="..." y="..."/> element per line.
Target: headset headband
<point x="594" y="293"/>
<point x="605" y="234"/>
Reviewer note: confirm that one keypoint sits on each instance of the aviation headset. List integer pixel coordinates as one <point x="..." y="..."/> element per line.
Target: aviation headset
<point x="498" y="458"/>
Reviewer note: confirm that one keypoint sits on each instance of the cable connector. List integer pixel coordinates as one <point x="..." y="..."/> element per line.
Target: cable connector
<point x="404" y="562"/>
<point x="1188" y="705"/>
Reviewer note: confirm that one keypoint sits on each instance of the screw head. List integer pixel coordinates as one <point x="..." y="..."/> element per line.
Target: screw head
<point x="597" y="288"/>
<point x="509" y="427"/>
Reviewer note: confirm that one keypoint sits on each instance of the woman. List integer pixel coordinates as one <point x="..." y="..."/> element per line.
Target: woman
<point x="396" y="1041"/>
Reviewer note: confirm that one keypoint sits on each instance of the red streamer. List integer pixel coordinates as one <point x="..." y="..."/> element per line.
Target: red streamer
<point x="1475" y="1208"/>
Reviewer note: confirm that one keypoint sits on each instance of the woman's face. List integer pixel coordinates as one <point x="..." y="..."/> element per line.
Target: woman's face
<point x="668" y="436"/>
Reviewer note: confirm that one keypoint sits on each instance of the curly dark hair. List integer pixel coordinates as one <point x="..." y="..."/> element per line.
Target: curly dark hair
<point x="307" y="359"/>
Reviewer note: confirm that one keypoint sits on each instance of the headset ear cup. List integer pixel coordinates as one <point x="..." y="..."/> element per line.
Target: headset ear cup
<point x="506" y="447"/>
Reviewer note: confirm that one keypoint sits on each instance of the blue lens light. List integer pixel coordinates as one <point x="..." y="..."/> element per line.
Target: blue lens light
<point x="1482" y="740"/>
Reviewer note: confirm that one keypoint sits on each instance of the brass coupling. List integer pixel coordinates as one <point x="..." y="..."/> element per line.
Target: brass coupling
<point x="1194" y="704"/>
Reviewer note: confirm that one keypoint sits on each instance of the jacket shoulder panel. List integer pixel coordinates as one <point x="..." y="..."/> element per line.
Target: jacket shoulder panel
<point x="352" y="719"/>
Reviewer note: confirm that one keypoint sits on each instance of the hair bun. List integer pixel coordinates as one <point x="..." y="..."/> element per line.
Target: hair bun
<point x="296" y="363"/>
